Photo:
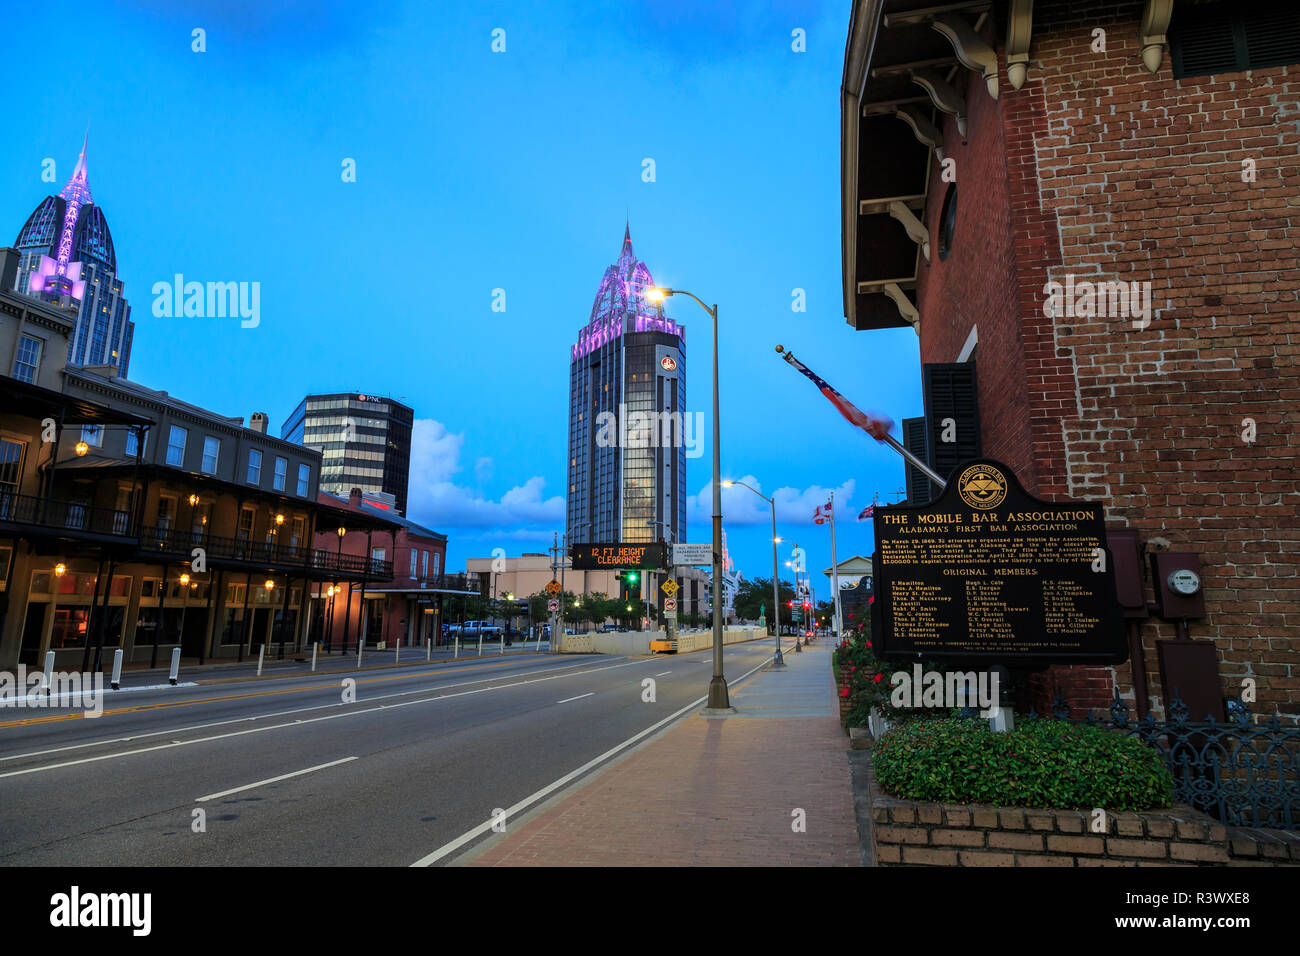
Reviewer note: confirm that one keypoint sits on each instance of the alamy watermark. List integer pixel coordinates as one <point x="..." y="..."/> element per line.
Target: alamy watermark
<point x="212" y="300"/>
<point x="1116" y="299"/>
<point x="624" y="429"/>
<point x="947" y="689"/>
<point x="65" y="689"/>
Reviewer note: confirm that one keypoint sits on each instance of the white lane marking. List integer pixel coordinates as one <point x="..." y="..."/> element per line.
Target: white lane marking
<point x="263" y="783"/>
<point x="663" y="674"/>
<point x="579" y="697"/>
<point x="550" y="788"/>
<point x="296" y="723"/>
<point x="280" y="713"/>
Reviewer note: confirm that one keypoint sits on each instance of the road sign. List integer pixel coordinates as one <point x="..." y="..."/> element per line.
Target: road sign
<point x="670" y="604"/>
<point x="552" y="605"/>
<point x="602" y="557"/>
<point x="670" y="587"/>
<point x="692" y="554"/>
<point x="553" y="588"/>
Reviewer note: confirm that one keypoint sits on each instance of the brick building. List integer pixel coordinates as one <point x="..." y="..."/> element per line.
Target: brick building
<point x="1120" y="274"/>
<point x="403" y="605"/>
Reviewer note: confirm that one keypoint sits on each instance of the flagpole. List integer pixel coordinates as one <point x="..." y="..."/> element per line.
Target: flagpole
<point x="888" y="439"/>
<point x="835" y="575"/>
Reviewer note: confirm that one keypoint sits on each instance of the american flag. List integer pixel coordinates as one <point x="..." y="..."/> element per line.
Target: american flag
<point x="867" y="512"/>
<point x="877" y="426"/>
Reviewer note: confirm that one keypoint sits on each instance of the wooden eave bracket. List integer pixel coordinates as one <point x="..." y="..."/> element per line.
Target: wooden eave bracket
<point x="1151" y="33"/>
<point x="1020" y="30"/>
<point x="942" y="95"/>
<point x="905" y="308"/>
<point x="926" y="133"/>
<point x="914" y="228"/>
<point x="893" y="289"/>
<point x="970" y="48"/>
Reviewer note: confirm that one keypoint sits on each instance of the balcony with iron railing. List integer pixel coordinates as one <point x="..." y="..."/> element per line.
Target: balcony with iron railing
<point x="273" y="553"/>
<point x="59" y="516"/>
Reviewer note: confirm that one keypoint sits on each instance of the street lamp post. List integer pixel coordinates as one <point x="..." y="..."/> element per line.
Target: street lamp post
<point x="778" y="662"/>
<point x="718" y="700"/>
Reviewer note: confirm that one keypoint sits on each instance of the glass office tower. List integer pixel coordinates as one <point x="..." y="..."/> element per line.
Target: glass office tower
<point x="627" y="408"/>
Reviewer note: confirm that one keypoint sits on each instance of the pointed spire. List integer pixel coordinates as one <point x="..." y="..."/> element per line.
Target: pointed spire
<point x="77" y="183"/>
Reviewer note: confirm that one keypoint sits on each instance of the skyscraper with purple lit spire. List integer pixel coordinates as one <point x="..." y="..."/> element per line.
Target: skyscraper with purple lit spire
<point x="627" y="369"/>
<point x="68" y="259"/>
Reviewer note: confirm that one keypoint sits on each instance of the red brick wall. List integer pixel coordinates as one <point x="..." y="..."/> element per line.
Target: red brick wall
<point x="1113" y="173"/>
<point x="976" y="283"/>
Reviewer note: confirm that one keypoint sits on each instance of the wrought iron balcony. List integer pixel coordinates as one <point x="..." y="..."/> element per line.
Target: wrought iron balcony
<point x="273" y="553"/>
<point x="57" y="515"/>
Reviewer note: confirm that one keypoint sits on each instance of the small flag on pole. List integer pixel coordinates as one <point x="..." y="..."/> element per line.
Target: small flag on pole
<point x="867" y="512"/>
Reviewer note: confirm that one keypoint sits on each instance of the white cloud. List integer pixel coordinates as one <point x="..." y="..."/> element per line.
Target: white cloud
<point x="793" y="505"/>
<point x="436" y="500"/>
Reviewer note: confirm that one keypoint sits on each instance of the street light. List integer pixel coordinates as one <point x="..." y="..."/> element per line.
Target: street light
<point x="778" y="662"/>
<point x="718" y="700"/>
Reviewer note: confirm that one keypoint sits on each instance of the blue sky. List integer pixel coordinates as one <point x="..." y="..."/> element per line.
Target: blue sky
<point x="478" y="171"/>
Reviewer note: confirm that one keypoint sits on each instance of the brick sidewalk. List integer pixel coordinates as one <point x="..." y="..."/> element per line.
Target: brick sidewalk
<point x="713" y="791"/>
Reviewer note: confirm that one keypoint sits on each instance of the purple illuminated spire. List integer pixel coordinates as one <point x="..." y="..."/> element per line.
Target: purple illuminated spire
<point x="620" y="298"/>
<point x="77" y="194"/>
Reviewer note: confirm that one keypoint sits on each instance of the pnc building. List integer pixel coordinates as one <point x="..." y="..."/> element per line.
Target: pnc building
<point x="627" y="401"/>
<point x="364" y="441"/>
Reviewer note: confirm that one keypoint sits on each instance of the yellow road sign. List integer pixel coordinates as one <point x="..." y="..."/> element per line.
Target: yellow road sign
<point x="670" y="587"/>
<point x="553" y="587"/>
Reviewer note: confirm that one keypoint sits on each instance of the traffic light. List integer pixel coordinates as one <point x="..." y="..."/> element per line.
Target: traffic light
<point x="631" y="577"/>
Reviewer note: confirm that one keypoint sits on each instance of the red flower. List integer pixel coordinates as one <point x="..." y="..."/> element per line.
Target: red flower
<point x="877" y="678"/>
<point x="844" y="692"/>
<point x="868" y="643"/>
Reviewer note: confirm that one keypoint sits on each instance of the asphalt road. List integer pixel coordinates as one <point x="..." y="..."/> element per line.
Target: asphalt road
<point x="285" y="772"/>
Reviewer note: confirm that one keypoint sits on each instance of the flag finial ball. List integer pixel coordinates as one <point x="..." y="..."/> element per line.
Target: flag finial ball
<point x="780" y="348"/>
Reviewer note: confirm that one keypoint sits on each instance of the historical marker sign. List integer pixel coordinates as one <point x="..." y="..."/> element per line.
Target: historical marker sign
<point x="599" y="557"/>
<point x="988" y="572"/>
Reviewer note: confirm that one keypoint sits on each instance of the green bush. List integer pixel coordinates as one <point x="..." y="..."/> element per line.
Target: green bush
<point x="1041" y="763"/>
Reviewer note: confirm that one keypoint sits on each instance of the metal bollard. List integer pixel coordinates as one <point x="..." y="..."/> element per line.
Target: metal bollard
<point x="480" y="642"/>
<point x="428" y="649"/>
<point x="49" y="671"/>
<point x="503" y="642"/>
<point x="314" y="648"/>
<point x="456" y="652"/>
<point x="260" y="651"/>
<point x="361" y="646"/>
<point x="176" y="666"/>
<point x="116" y="682"/>
<point x="397" y="651"/>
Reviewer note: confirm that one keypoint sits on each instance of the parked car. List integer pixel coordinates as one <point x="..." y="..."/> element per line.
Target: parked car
<point x="474" y="629"/>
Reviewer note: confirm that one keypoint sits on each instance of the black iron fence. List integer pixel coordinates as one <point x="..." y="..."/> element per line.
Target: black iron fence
<point x="275" y="553"/>
<point x="1243" y="772"/>
<point x="59" y="515"/>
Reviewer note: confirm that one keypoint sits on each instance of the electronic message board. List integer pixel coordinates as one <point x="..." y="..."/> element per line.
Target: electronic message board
<point x="598" y="557"/>
<point x="987" y="572"/>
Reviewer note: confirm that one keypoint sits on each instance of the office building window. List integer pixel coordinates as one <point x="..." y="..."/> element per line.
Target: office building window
<point x="414" y="555"/>
<point x="254" y="466"/>
<point x="176" y="446"/>
<point x="281" y="473"/>
<point x="211" y="451"/>
<point x="132" y="442"/>
<point x="93" y="435"/>
<point x="28" y="359"/>
<point x="426" y="564"/>
<point x="304" y="479"/>
<point x="437" y="560"/>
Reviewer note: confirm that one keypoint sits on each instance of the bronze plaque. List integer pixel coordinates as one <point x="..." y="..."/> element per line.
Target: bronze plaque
<point x="987" y="572"/>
